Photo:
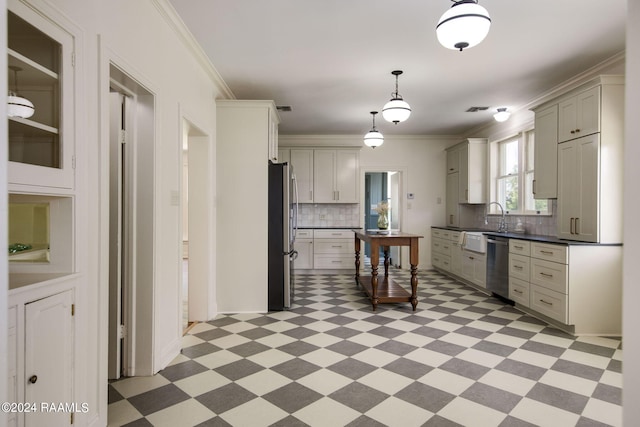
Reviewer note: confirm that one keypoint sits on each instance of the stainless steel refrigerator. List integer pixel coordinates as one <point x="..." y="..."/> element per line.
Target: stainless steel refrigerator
<point x="283" y="214"/>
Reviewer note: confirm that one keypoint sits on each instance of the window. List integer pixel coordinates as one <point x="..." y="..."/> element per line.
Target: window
<point x="514" y="173"/>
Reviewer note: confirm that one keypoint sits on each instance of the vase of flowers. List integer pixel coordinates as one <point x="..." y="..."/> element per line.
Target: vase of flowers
<point x="383" y="211"/>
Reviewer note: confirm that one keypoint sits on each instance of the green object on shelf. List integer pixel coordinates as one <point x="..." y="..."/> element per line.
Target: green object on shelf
<point x="18" y="247"/>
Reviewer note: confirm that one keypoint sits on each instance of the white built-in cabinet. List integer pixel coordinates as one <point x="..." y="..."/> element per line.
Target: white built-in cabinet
<point x="335" y="177"/>
<point x="324" y="249"/>
<point x="589" y="161"/>
<point x="304" y="246"/>
<point x="302" y="162"/>
<point x="545" y="183"/>
<point x="466" y="176"/>
<point x="449" y="256"/>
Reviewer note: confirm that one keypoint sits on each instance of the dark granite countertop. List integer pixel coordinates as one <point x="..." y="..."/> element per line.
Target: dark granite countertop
<point x="531" y="237"/>
<point x="310" y="227"/>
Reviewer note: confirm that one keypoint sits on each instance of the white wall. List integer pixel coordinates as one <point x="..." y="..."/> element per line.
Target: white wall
<point x="631" y="269"/>
<point x="4" y="215"/>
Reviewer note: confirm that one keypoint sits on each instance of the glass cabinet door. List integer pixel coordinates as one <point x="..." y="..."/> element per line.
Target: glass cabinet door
<point x="40" y="71"/>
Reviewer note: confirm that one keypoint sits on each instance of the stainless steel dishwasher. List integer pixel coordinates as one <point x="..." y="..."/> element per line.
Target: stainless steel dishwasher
<point x="498" y="265"/>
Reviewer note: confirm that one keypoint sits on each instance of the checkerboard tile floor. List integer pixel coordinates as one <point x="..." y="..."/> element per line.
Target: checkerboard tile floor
<point x="462" y="359"/>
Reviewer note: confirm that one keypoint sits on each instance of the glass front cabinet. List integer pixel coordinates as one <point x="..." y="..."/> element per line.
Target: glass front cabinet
<point x="40" y="70"/>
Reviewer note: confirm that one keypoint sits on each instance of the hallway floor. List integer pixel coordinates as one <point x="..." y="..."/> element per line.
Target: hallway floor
<point x="462" y="359"/>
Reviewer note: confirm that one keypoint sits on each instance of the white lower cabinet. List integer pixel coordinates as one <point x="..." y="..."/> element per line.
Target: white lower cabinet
<point x="40" y="359"/>
<point x="447" y="255"/>
<point x="474" y="267"/>
<point x="578" y="285"/>
<point x="333" y="249"/>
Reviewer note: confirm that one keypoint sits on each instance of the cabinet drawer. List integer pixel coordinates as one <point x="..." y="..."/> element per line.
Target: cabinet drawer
<point x="519" y="291"/>
<point x="326" y="246"/>
<point x="333" y="234"/>
<point x="439" y="232"/>
<point x="549" y="303"/>
<point x="454" y="236"/>
<point x="441" y="261"/>
<point x="551" y="275"/>
<point x="304" y="234"/>
<point x="327" y="261"/>
<point x="557" y="253"/>
<point x="519" y="266"/>
<point x="520" y="247"/>
<point x="441" y="246"/>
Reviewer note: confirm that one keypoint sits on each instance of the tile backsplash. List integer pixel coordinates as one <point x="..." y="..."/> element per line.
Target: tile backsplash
<point x="472" y="216"/>
<point x="329" y="215"/>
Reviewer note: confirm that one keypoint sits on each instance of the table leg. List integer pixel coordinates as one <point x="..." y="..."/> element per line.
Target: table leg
<point x="386" y="261"/>
<point x="357" y="248"/>
<point x="413" y="259"/>
<point x="375" y="250"/>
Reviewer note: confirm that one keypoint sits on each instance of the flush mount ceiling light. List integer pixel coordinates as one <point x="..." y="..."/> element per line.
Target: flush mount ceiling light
<point x="502" y="115"/>
<point x="18" y="106"/>
<point x="373" y="138"/>
<point x="396" y="110"/>
<point x="463" y="26"/>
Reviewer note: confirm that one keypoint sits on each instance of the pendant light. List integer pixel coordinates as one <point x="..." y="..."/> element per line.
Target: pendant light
<point x="373" y="138"/>
<point x="465" y="25"/>
<point x="502" y="115"/>
<point x="396" y="110"/>
<point x="18" y="106"/>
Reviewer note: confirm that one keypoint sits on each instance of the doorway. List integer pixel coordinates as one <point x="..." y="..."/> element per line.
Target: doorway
<point x="383" y="186"/>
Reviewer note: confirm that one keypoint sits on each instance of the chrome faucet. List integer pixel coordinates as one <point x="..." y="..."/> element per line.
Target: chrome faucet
<point x="502" y="225"/>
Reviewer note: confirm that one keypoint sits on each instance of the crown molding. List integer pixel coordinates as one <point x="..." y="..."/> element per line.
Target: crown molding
<point x="176" y="23"/>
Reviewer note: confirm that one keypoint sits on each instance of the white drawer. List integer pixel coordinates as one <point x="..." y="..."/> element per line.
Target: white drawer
<point x="454" y="236"/>
<point x="327" y="261"/>
<point x="549" y="303"/>
<point x="327" y="246"/>
<point x="304" y="234"/>
<point x="441" y="233"/>
<point x="551" y="275"/>
<point x="441" y="246"/>
<point x="549" y="252"/>
<point x="520" y="247"/>
<point x="519" y="291"/>
<point x="333" y="234"/>
<point x="441" y="261"/>
<point x="519" y="266"/>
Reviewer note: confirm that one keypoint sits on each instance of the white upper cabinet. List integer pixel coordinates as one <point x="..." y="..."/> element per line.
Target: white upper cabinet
<point x="335" y="176"/>
<point x="579" y="115"/>
<point x="302" y="162"/>
<point x="469" y="160"/>
<point x="545" y="183"/>
<point x="41" y="69"/>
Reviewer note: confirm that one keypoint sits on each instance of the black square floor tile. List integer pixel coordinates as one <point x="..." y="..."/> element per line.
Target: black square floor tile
<point x="438" y="421"/>
<point x="395" y="347"/>
<point x="114" y="396"/>
<point x="298" y="348"/>
<point x="347" y="348"/>
<point x="292" y="397"/>
<point x="352" y="368"/>
<point x="559" y="398"/>
<point x="239" y="369"/>
<point x="289" y="421"/>
<point x="225" y="398"/>
<point x="425" y="397"/>
<point x="494" y="348"/>
<point x="200" y="350"/>
<point x="182" y="370"/>
<point x="464" y="368"/>
<point x="542" y="348"/>
<point x="358" y="396"/>
<point x="214" y="422"/>
<point x="364" y="421"/>
<point x="157" y="399"/>
<point x="140" y="422"/>
<point x="408" y="368"/>
<point x="445" y="347"/>
<point x="248" y="349"/>
<point x="521" y="369"/>
<point x="578" y="369"/>
<point x="608" y="394"/>
<point x="491" y="397"/>
<point x="256" y="333"/>
<point x="212" y="334"/>
<point x="343" y="332"/>
<point x="295" y="369"/>
<point x="592" y="349"/>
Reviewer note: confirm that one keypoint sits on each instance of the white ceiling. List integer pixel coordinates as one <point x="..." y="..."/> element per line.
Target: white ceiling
<point x="331" y="60"/>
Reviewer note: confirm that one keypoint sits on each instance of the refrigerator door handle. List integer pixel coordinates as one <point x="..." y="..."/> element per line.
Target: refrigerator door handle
<point x="295" y="212"/>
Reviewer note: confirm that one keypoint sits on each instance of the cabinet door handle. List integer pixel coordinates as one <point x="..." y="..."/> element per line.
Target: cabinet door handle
<point x="337" y="246"/>
<point x="573" y="131"/>
<point x="546" y="275"/>
<point x="545" y="302"/>
<point x="572" y="225"/>
<point x="546" y="252"/>
<point x="533" y="189"/>
<point x="518" y="267"/>
<point x="518" y="291"/>
<point x="577" y="224"/>
<point x="518" y="247"/>
<point x="577" y="130"/>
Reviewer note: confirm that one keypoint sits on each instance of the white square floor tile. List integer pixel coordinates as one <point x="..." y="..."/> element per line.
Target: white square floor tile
<point x="263" y="382"/>
<point x="366" y="339"/>
<point x="543" y="415"/>
<point x="508" y="382"/>
<point x="255" y="413"/>
<point x="446" y="381"/>
<point x="428" y="357"/>
<point x="385" y="381"/>
<point x="326" y="412"/>
<point x="612" y="378"/>
<point x="321" y="340"/>
<point x="535" y="359"/>
<point x="375" y="357"/>
<point x="236" y="328"/>
<point x="601" y="341"/>
<point x="508" y="340"/>
<point x="270" y="358"/>
<point x="281" y="326"/>
<point x="187" y="413"/>
<point x="569" y="382"/>
<point x="586" y="358"/>
<point x="480" y="357"/>
<point x="485" y="326"/>
<point x="323" y="357"/>
<point x="229" y="341"/>
<point x="324" y="381"/>
<point x="191" y="340"/>
<point x="201" y="327"/>
<point x="552" y="340"/>
<point x="395" y="412"/>
<point x="320" y="326"/>
<point x="468" y="413"/>
<point x="217" y="359"/>
<point x="603" y="412"/>
<point x="276" y="340"/>
<point x="179" y="359"/>
<point x="416" y="340"/>
<point x="135" y="385"/>
<point x="201" y="383"/>
<point x="460" y="339"/>
<point x="122" y="412"/>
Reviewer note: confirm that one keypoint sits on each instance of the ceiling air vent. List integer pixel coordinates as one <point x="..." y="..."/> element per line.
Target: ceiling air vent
<point x="476" y="109"/>
<point x="283" y="108"/>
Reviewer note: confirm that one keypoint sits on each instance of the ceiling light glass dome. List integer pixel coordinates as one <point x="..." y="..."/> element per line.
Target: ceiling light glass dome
<point x="463" y="26"/>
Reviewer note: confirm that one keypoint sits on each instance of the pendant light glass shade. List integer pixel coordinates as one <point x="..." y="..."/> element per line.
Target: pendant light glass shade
<point x="373" y="138"/>
<point x="463" y="26"/>
<point x="396" y="110"/>
<point x="18" y="106"/>
<point x="502" y="115"/>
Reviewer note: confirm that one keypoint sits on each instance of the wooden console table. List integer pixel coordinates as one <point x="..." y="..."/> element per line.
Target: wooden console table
<point x="387" y="290"/>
